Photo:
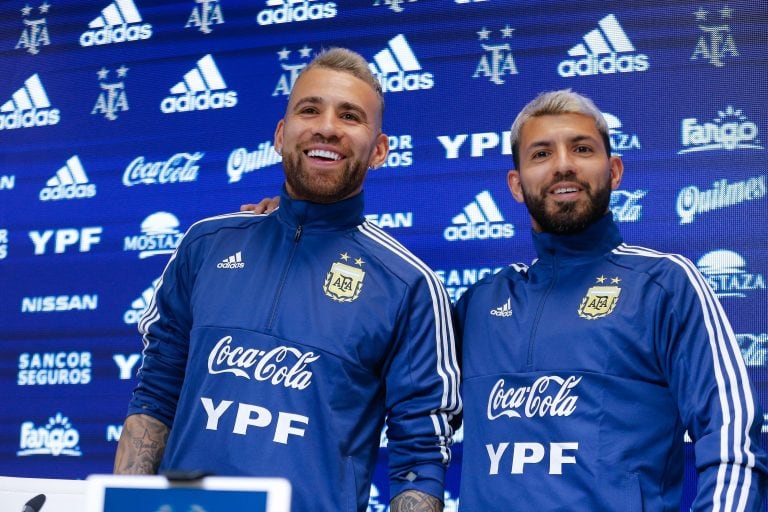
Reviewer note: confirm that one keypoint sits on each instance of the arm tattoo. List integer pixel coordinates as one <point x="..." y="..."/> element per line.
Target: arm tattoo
<point x="141" y="446"/>
<point x="415" y="501"/>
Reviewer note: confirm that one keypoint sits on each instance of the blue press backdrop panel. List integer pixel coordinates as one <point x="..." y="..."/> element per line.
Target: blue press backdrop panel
<point x="122" y="122"/>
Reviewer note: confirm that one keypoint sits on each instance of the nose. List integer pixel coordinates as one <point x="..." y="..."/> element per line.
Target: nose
<point x="327" y="124"/>
<point x="564" y="162"/>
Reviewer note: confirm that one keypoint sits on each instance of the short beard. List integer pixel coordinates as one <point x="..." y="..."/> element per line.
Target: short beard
<point x="306" y="187"/>
<point x="569" y="217"/>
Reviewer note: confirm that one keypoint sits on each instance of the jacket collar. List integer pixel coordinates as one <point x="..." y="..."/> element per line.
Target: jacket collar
<point x="339" y="216"/>
<point x="597" y="239"/>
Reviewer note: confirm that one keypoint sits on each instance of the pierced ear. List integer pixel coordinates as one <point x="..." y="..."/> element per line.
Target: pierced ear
<point x="278" y="139"/>
<point x="513" y="182"/>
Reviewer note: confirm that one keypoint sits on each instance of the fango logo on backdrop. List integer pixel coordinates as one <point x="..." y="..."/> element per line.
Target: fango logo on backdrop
<point x="119" y="22"/>
<point x="28" y="107"/>
<point x="398" y="69"/>
<point x="728" y="131"/>
<point x="726" y="274"/>
<point x="605" y="50"/>
<point x="480" y="220"/>
<point x="160" y="235"/>
<point x="57" y="437"/>
<point x="203" y="88"/>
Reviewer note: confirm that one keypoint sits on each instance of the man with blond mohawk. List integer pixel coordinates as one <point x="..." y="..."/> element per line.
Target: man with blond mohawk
<point x="276" y="345"/>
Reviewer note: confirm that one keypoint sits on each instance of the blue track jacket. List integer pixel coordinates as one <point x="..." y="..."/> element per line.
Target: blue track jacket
<point x="275" y="345"/>
<point x="582" y="373"/>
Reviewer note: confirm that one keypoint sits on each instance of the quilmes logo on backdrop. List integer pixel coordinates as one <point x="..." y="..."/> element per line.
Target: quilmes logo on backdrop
<point x="35" y="33"/>
<point x="398" y="69"/>
<point x="160" y="235"/>
<point x="69" y="182"/>
<point x="730" y="130"/>
<point x="119" y="22"/>
<point x="202" y="88"/>
<point x="605" y="50"/>
<point x="726" y="273"/>
<point x="692" y="201"/>
<point x="29" y="107"/>
<point x="480" y="220"/>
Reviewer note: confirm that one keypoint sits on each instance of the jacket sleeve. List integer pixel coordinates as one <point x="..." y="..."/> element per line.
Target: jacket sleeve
<point x="422" y="395"/>
<point x="718" y="406"/>
<point x="165" y="327"/>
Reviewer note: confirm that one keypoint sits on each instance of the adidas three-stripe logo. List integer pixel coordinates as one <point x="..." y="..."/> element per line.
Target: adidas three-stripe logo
<point x="30" y="96"/>
<point x="604" y="50"/>
<point x="204" y="77"/>
<point x="69" y="182"/>
<point x="480" y="220"/>
<point x="232" y="262"/>
<point x="504" y="310"/>
<point x="118" y="22"/>
<point x="398" y="69"/>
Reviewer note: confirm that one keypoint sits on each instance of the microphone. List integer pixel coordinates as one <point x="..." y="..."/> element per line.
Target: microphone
<point x="35" y="504"/>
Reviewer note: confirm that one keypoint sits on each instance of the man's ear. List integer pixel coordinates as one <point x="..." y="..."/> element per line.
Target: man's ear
<point x="279" y="136"/>
<point x="513" y="182"/>
<point x="617" y="171"/>
<point x="380" y="151"/>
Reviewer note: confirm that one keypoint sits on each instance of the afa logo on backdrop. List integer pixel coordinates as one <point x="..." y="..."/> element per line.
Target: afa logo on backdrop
<point x="497" y="60"/>
<point x="35" y="32"/>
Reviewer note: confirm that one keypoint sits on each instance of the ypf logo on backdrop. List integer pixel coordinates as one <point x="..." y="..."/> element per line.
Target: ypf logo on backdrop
<point x="119" y="22"/>
<point x="605" y="50"/>
<point x="35" y="32"/>
<point x="29" y="107"/>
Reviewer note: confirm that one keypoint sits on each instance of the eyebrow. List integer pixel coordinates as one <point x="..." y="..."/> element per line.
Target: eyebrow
<point x="345" y="105"/>
<point x="548" y="142"/>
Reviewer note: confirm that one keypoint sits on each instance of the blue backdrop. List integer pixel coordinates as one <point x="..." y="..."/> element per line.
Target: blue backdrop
<point x="124" y="121"/>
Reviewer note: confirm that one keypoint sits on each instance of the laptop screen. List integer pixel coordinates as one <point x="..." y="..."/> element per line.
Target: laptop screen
<point x="123" y="493"/>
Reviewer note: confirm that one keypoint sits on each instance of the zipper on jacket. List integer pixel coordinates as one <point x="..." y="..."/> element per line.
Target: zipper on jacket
<point x="539" y="310"/>
<point x="284" y="277"/>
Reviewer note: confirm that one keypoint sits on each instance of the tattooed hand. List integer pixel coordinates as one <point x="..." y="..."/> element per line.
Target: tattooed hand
<point x="415" y="501"/>
<point x="141" y="446"/>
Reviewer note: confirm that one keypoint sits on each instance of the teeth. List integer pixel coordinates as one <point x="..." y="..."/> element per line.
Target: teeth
<point x="565" y="190"/>
<point x="322" y="153"/>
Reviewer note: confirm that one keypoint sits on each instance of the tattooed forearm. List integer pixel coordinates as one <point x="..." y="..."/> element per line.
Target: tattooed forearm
<point x="141" y="446"/>
<point x="415" y="501"/>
